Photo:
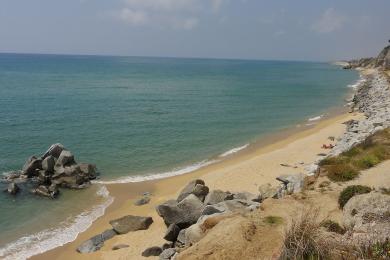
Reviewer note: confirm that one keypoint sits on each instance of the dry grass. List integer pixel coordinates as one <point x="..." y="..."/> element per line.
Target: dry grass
<point x="305" y="239"/>
<point x="346" y="166"/>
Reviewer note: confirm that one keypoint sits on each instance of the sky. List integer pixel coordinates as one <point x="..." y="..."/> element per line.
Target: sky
<point x="316" y="30"/>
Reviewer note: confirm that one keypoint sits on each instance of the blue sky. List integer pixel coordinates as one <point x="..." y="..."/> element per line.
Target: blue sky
<point x="249" y="29"/>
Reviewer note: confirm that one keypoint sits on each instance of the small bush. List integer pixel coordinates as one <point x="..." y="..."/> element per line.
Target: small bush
<point x="273" y="220"/>
<point x="332" y="226"/>
<point x="351" y="191"/>
<point x="341" y="172"/>
<point x="368" y="161"/>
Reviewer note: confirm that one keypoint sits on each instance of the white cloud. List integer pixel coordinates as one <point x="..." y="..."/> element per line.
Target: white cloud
<point x="176" y="14"/>
<point x="329" y="21"/>
<point x="186" y="24"/>
<point x="133" y="17"/>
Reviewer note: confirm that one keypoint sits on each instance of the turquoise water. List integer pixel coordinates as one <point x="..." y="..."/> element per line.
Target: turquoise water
<point x="139" y="116"/>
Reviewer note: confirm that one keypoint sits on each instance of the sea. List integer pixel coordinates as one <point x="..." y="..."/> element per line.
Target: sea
<point x="140" y="118"/>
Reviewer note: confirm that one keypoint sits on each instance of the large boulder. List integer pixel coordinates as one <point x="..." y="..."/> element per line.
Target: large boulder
<point x="216" y="196"/>
<point x="367" y="217"/>
<point x="95" y="243"/>
<point x="66" y="158"/>
<point x="152" y="251"/>
<point x="235" y="205"/>
<point x="13" y="188"/>
<point x="183" y="214"/>
<point x="48" y="163"/>
<point x="196" y="187"/>
<point x="32" y="166"/>
<point x="293" y="183"/>
<point x="129" y="223"/>
<point x="268" y="191"/>
<point x="54" y="150"/>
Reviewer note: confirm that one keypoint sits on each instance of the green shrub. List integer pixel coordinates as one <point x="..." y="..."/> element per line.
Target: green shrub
<point x="332" y="226"/>
<point x="368" y="161"/>
<point x="341" y="172"/>
<point x="351" y="191"/>
<point x="273" y="220"/>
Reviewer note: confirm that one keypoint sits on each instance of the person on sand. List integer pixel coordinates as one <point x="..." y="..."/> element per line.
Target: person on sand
<point x="329" y="146"/>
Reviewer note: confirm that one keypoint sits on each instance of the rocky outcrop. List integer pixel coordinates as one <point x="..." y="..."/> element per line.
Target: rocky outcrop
<point x="56" y="168"/>
<point x="195" y="187"/>
<point x="129" y="223"/>
<point x="382" y="61"/>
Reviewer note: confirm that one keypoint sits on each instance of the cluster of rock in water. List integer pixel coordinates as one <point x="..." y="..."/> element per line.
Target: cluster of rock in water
<point x="55" y="169"/>
<point x="188" y="217"/>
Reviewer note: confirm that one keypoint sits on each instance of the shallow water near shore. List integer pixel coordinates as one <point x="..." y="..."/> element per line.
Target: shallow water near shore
<point x="140" y="117"/>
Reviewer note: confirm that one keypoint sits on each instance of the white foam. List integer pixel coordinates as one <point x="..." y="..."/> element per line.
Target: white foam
<point x="157" y="176"/>
<point x="316" y="118"/>
<point x="358" y="83"/>
<point x="48" y="239"/>
<point x="234" y="150"/>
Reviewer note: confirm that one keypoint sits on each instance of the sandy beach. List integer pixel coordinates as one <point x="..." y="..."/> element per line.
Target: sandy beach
<point x="245" y="171"/>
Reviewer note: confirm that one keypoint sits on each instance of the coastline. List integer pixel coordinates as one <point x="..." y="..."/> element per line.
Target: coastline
<point x="246" y="170"/>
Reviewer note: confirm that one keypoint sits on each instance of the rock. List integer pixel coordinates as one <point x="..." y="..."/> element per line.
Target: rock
<point x="152" y="251"/>
<point x="66" y="158"/>
<point x="119" y="246"/>
<point x="294" y="182"/>
<point x="172" y="233"/>
<point x="167" y="254"/>
<point x="268" y="191"/>
<point x="31" y="165"/>
<point x="247" y="196"/>
<point x="181" y="238"/>
<point x="216" y="196"/>
<point x="54" y="150"/>
<point x="88" y="170"/>
<point x="182" y="214"/>
<point x="13" y="188"/>
<point x="166" y="246"/>
<point x="131" y="223"/>
<point x="45" y="192"/>
<point x="196" y="187"/>
<point x="367" y="217"/>
<point x="48" y="163"/>
<point x="212" y="209"/>
<point x="142" y="201"/>
<point x="53" y="189"/>
<point x="12" y="176"/>
<point x="235" y="205"/>
<point x="95" y="243"/>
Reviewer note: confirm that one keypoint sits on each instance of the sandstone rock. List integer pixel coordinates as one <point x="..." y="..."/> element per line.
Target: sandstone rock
<point x="167" y="254"/>
<point x="66" y="158"/>
<point x="152" y="251"/>
<point x="119" y="246"/>
<point x="13" y="189"/>
<point x="95" y="243"/>
<point x="172" y="233"/>
<point x="142" y="201"/>
<point x="48" y="163"/>
<point x="216" y="196"/>
<point x="131" y="223"/>
<point x="196" y="187"/>
<point x="54" y="150"/>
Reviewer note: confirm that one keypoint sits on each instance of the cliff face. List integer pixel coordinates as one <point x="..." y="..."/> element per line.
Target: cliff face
<point x="382" y="61"/>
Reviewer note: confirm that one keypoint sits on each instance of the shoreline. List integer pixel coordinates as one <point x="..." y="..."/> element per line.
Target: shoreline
<point x="126" y="193"/>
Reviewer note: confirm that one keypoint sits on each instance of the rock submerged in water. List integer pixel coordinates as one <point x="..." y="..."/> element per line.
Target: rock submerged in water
<point x="55" y="168"/>
<point x="13" y="188"/>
